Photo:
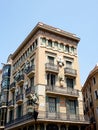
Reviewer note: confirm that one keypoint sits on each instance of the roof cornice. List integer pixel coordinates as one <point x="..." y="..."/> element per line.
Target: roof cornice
<point x="42" y="26"/>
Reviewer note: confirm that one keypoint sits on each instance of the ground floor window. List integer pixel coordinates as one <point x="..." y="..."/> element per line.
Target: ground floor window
<point x="63" y="127"/>
<point x="31" y="127"/>
<point x="52" y="127"/>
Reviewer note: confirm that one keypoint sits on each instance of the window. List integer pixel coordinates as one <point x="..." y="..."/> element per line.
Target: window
<point x="32" y="83"/>
<point x="68" y="64"/>
<point x="70" y="82"/>
<point x="56" y="45"/>
<point x="67" y="48"/>
<point x="96" y="94"/>
<point x="72" y="106"/>
<point x="21" y="89"/>
<point x="52" y="104"/>
<point x="11" y="115"/>
<point x="31" y="127"/>
<point x="51" y="59"/>
<point x="94" y="80"/>
<point x="51" y="79"/>
<point x="49" y="43"/>
<point x="62" y="46"/>
<point x="43" y="41"/>
<point x="32" y="62"/>
<point x="72" y="49"/>
<point x="19" y="111"/>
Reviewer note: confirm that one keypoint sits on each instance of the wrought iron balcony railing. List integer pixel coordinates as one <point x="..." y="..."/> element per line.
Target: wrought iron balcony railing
<point x="20" y="79"/>
<point x="19" y="98"/>
<point x="29" y="90"/>
<point x="46" y="115"/>
<point x="30" y="70"/>
<point x="51" y="67"/>
<point x="11" y="104"/>
<point x="62" y="90"/>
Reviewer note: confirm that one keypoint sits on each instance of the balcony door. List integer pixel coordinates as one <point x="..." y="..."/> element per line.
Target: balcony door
<point x="51" y="79"/>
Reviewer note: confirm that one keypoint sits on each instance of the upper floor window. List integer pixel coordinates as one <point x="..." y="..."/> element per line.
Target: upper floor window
<point x="32" y="82"/>
<point x="68" y="64"/>
<point x="56" y="45"/>
<point x="49" y="43"/>
<point x="51" y="78"/>
<point x="51" y="59"/>
<point x="72" y="49"/>
<point x="61" y="46"/>
<point x="11" y="115"/>
<point x="96" y="94"/>
<point x="19" y="111"/>
<point x="67" y="48"/>
<point x="44" y="40"/>
<point x="94" y="80"/>
<point x="70" y="82"/>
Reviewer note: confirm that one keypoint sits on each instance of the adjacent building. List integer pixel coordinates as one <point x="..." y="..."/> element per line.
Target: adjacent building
<point x="4" y="91"/>
<point x="90" y="96"/>
<point x="45" y="91"/>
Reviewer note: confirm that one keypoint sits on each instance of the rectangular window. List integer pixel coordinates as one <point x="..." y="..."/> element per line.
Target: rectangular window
<point x="51" y="79"/>
<point x="52" y="104"/>
<point x="32" y="62"/>
<point x="51" y="59"/>
<point x="32" y="84"/>
<point x="68" y="64"/>
<point x="72" y="107"/>
<point x="44" y="41"/>
<point x="70" y="82"/>
<point x="19" y="111"/>
<point x="96" y="94"/>
<point x="11" y="115"/>
<point x="94" y="80"/>
<point x="56" y="45"/>
<point x="49" y="43"/>
<point x="61" y="46"/>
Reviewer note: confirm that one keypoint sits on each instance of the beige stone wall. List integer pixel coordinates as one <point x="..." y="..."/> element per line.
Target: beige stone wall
<point x="40" y="58"/>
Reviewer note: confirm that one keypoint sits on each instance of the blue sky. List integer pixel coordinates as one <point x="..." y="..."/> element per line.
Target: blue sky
<point x="18" y="17"/>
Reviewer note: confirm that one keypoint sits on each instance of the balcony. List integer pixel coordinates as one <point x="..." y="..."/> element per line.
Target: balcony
<point x="19" y="98"/>
<point x="12" y="86"/>
<point x="62" y="90"/>
<point x="28" y="91"/>
<point x="51" y="68"/>
<point x="46" y="116"/>
<point x="30" y="70"/>
<point x="20" y="79"/>
<point x="3" y="104"/>
<point x="70" y="72"/>
<point x="11" y="104"/>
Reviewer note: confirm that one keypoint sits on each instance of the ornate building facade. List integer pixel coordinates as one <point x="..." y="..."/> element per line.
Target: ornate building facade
<point x="45" y="91"/>
<point x="90" y="98"/>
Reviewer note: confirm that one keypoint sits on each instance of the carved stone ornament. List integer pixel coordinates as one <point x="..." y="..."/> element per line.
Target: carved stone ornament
<point x="60" y="61"/>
